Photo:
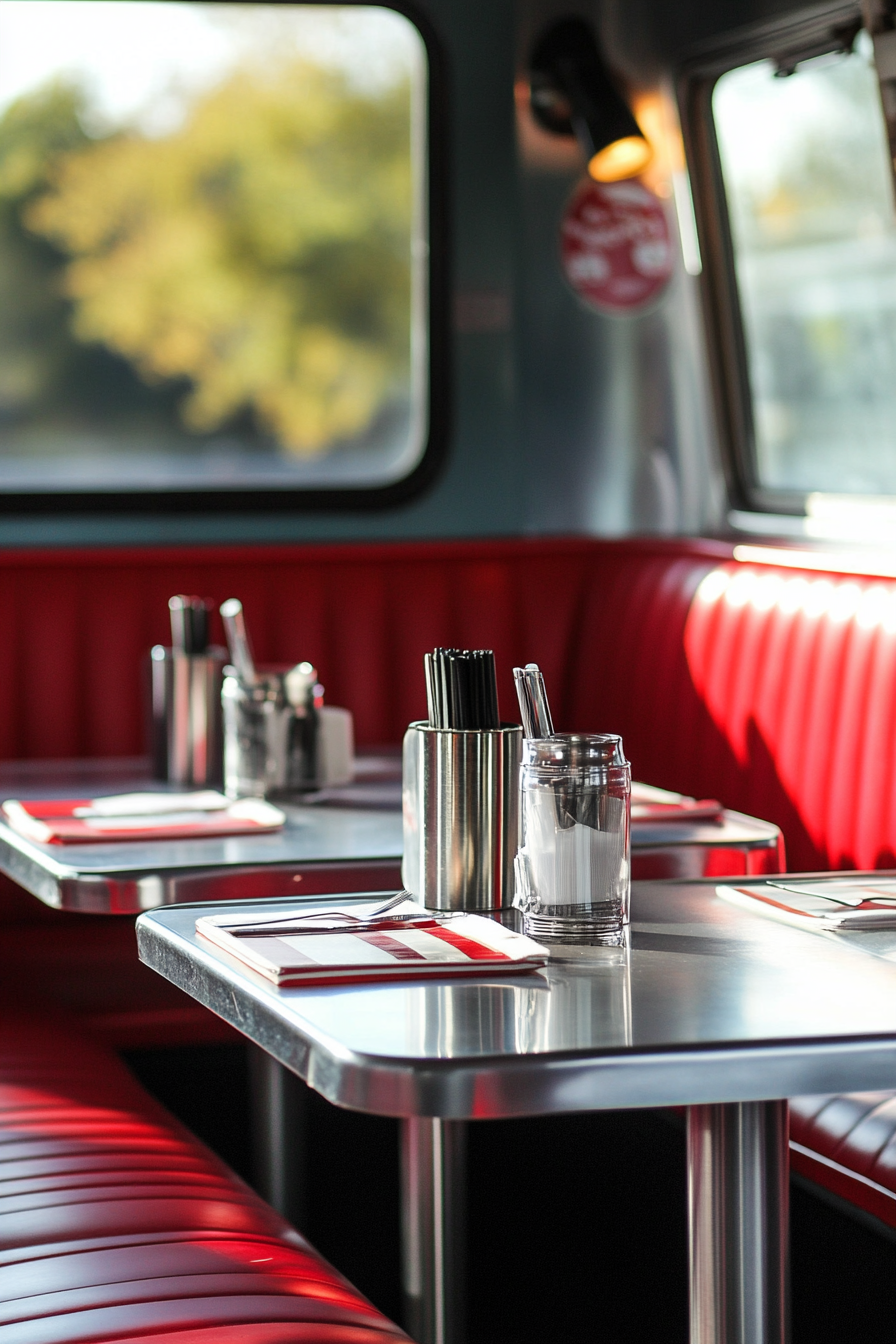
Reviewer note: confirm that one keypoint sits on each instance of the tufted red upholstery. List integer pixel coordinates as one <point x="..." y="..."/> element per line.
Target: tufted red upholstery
<point x="116" y="1224"/>
<point x="770" y="689"/>
<point x="847" y="1144"/>
<point x="774" y="690"/>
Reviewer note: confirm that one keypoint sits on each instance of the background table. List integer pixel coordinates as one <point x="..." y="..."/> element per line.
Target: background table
<point x="713" y="1008"/>
<point x="342" y="839"/>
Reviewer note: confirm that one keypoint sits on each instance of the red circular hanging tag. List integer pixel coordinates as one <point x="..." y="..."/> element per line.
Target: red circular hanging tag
<point x="615" y="245"/>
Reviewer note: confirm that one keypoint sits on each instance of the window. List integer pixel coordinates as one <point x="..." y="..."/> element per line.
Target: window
<point x="213" y="248"/>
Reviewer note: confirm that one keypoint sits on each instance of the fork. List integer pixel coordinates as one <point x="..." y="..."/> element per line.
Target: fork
<point x="285" y="923"/>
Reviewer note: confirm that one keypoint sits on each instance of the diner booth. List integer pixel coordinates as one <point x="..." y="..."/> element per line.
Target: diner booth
<point x="396" y="335"/>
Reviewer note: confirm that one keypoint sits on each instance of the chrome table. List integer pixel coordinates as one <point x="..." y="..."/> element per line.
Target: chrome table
<point x="343" y="839"/>
<point x="736" y="845"/>
<point x="711" y="1008"/>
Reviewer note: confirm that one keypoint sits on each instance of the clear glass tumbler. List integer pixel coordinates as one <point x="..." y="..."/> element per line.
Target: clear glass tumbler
<point x="573" y="870"/>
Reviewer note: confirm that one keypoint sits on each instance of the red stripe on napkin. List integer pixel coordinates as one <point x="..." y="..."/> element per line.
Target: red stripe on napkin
<point x="475" y="951"/>
<point x="400" y="951"/>
<point x="51" y="808"/>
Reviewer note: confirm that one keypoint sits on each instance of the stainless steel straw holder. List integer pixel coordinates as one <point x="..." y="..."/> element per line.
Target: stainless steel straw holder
<point x="460" y="796"/>
<point x="185" y="699"/>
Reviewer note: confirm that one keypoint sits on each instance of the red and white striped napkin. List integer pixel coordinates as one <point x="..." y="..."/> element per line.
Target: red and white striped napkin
<point x="342" y="944"/>
<point x="139" y="816"/>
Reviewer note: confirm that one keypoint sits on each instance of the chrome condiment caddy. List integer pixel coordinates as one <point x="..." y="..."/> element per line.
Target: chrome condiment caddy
<point x="271" y="732"/>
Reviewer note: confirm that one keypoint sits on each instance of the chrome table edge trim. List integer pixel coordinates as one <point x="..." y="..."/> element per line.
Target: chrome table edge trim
<point x="520" y="1085"/>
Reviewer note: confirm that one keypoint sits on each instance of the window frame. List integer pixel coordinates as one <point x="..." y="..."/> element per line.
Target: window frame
<point x="799" y="38"/>
<point x="241" y="499"/>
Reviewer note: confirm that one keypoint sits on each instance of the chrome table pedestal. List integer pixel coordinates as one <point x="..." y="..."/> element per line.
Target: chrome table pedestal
<point x="738" y="1206"/>
<point x="433" y="1211"/>
<point x="279" y="1147"/>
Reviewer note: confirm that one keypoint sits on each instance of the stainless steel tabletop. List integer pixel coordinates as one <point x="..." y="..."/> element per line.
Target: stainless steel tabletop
<point x="355" y="827"/>
<point x="712" y="1004"/>
<point x="334" y="840"/>
<point x="662" y="849"/>
<point x="735" y="828"/>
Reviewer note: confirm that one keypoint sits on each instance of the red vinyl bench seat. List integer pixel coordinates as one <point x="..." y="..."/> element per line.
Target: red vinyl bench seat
<point x="847" y="1145"/>
<point x="117" y="1224"/>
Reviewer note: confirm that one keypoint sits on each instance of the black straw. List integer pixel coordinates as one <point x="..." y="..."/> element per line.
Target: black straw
<point x="461" y="689"/>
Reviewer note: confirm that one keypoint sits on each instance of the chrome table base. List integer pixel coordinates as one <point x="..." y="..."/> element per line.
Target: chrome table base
<point x="738" y="1205"/>
<point x="279" y="1125"/>
<point x="433" y="1173"/>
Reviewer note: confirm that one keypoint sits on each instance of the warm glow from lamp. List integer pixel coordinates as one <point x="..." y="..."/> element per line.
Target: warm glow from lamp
<point x="574" y="93"/>
<point x="623" y="158"/>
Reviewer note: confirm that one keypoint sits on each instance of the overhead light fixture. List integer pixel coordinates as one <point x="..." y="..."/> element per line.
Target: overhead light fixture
<point x="573" y="93"/>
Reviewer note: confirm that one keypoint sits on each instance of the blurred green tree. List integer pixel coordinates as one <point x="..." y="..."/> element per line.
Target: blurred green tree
<point x="260" y="251"/>
<point x="35" y="345"/>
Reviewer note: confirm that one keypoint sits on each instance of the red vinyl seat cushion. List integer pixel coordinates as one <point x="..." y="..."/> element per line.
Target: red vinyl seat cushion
<point x="117" y="1224"/>
<point x="847" y="1145"/>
